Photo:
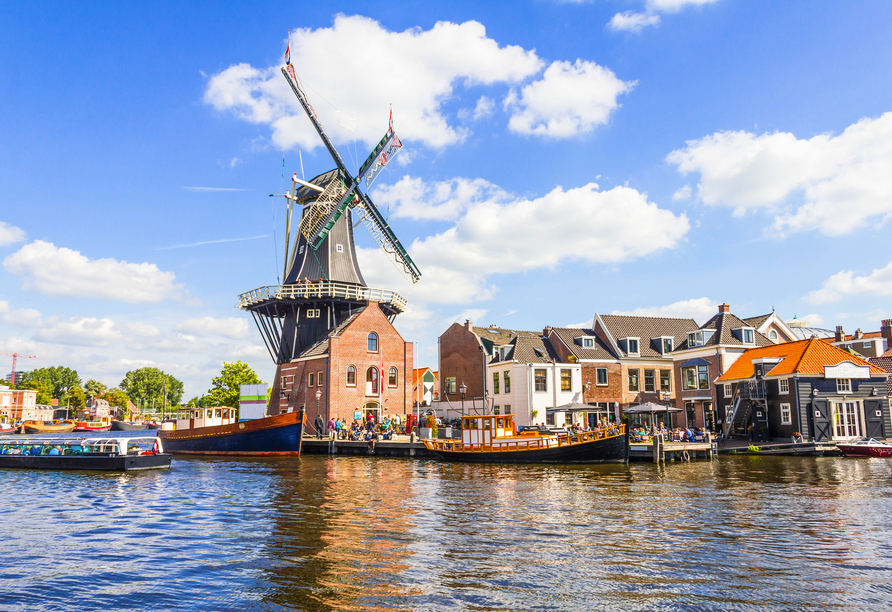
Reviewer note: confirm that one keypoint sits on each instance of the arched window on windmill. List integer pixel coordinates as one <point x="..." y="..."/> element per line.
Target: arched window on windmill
<point x="392" y="377"/>
<point x="373" y="342"/>
<point x="371" y="381"/>
<point x="351" y="376"/>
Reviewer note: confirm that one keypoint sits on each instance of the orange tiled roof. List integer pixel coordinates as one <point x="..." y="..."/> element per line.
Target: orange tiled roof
<point x="866" y="336"/>
<point x="802" y="357"/>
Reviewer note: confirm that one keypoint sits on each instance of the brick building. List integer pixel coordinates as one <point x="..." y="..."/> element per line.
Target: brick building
<point x="362" y="367"/>
<point x="704" y="355"/>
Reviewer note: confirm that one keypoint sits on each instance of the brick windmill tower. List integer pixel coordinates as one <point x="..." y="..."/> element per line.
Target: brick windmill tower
<point x="331" y="335"/>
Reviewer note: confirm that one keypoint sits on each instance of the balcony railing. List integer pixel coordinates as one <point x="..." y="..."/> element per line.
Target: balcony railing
<point x="320" y="290"/>
<point x="754" y="389"/>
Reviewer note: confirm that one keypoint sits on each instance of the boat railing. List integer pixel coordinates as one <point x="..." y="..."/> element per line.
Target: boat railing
<point x="78" y="446"/>
<point x="523" y="443"/>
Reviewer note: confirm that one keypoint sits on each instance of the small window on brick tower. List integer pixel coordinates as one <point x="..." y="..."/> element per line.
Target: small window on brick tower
<point x="351" y="376"/>
<point x="392" y="377"/>
<point x="373" y="342"/>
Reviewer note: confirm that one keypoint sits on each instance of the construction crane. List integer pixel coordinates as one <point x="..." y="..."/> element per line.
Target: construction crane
<point x="15" y="356"/>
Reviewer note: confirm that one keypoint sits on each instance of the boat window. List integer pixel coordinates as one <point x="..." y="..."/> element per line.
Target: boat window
<point x="500" y="423"/>
<point x="487" y="423"/>
<point x="219" y="413"/>
<point x="477" y="424"/>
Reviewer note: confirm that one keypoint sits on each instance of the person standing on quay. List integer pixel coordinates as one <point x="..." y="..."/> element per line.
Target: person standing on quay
<point x="320" y="425"/>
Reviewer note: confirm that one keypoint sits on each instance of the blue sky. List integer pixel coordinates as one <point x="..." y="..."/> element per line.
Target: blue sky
<point x="560" y="159"/>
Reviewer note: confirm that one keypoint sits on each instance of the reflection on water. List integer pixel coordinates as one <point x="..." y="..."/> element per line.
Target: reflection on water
<point x="357" y="533"/>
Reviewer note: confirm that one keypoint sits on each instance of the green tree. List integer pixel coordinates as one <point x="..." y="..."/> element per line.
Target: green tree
<point x="196" y="402"/>
<point x="59" y="379"/>
<point x="115" y="397"/>
<point x="147" y="384"/>
<point x="227" y="387"/>
<point x="94" y="388"/>
<point x="76" y="399"/>
<point x="44" y="393"/>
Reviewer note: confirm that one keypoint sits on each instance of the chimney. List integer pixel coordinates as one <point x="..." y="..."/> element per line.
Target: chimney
<point x="724" y="308"/>
<point x="886" y="331"/>
<point x="840" y="335"/>
<point x="858" y="334"/>
<point x="468" y="325"/>
<point x="547" y="330"/>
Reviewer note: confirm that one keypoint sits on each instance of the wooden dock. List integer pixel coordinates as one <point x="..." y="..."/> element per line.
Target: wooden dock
<point x="658" y="450"/>
<point x="403" y="446"/>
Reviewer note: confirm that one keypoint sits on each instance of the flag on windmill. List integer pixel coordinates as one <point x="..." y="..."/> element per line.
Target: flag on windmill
<point x="288" y="50"/>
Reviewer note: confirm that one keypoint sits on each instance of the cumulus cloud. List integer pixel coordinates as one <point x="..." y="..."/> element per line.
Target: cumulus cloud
<point x="632" y="21"/>
<point x="848" y="283"/>
<point x="699" y="309"/>
<point x="19" y="317"/>
<point x="414" y="198"/>
<point x="61" y="272"/>
<point x="229" y="327"/>
<point x="415" y="69"/>
<point x="834" y="184"/>
<point x="684" y="193"/>
<point x="10" y="234"/>
<point x="569" y="99"/>
<point x="81" y="331"/>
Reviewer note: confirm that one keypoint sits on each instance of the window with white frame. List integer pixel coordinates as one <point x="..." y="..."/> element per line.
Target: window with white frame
<point x="311" y="377"/>
<point x="339" y="248"/>
<point x="507" y="377"/>
<point x="695" y="377"/>
<point x="843" y="385"/>
<point x="632" y="346"/>
<point x="727" y="389"/>
<point x="667" y="346"/>
<point x="695" y="339"/>
<point x="783" y="385"/>
<point x="495" y="383"/>
<point x="588" y="342"/>
<point x="772" y="335"/>
<point x="566" y="380"/>
<point x="666" y="380"/>
<point x="633" y="380"/>
<point x="540" y="380"/>
<point x="786" y="414"/>
<point x="313" y="313"/>
<point x="601" y="377"/>
<point x="650" y="381"/>
<point x="392" y="377"/>
<point x="749" y="336"/>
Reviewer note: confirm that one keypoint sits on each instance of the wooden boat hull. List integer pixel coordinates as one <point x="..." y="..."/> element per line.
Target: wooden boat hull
<point x="604" y="450"/>
<point x="865" y="450"/>
<point x="275" y="435"/>
<point x="43" y="428"/>
<point x="99" y="462"/>
<point x="89" y="428"/>
<point x="6" y="432"/>
<point x="126" y="426"/>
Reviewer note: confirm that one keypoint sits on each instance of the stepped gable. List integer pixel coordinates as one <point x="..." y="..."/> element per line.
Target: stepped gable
<point x="568" y="336"/>
<point x="645" y="328"/>
<point x="800" y="357"/>
<point x="321" y="347"/>
<point x="723" y="323"/>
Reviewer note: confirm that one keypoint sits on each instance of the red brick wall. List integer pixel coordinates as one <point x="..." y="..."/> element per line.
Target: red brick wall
<point x="349" y="348"/>
<point x="461" y="357"/>
<point x="612" y="392"/>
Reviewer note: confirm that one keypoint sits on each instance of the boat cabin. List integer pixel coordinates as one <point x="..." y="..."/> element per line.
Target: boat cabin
<point x="205" y="417"/>
<point x="482" y="429"/>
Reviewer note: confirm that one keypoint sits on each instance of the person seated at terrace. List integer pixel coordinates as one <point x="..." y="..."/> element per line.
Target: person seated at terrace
<point x="689" y="435"/>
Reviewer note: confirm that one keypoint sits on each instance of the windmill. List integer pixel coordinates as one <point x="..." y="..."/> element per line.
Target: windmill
<point x="322" y="283"/>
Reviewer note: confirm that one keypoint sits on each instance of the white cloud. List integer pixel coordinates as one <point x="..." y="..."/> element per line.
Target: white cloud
<point x="20" y="317"/>
<point x="229" y="327"/>
<point x="684" y="193"/>
<point x="420" y="68"/>
<point x="81" y="331"/>
<point x="495" y="235"/>
<point x="632" y="21"/>
<point x="846" y="283"/>
<point x="673" y="6"/>
<point x="485" y="107"/>
<point x="415" y="198"/>
<point x="569" y="99"/>
<point x="10" y="234"/>
<point x="61" y="272"/>
<point x="813" y="319"/>
<point x="845" y="181"/>
<point x="699" y="309"/>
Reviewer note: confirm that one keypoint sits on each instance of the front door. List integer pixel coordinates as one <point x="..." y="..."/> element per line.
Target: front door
<point x="821" y="419"/>
<point x="873" y="413"/>
<point x="846" y="420"/>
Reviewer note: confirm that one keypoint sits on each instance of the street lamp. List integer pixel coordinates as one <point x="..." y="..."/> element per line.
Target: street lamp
<point x="463" y="389"/>
<point x="318" y="397"/>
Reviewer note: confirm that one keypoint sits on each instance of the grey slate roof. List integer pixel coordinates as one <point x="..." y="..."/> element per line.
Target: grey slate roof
<point x="756" y="321"/>
<point x="601" y="350"/>
<point x="532" y="350"/>
<point x="645" y="328"/>
<point x="723" y="323"/>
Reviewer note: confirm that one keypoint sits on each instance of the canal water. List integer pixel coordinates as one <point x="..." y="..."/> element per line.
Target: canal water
<point x="366" y="533"/>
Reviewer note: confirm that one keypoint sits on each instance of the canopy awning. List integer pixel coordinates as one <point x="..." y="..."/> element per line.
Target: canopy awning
<point x="696" y="361"/>
<point x="575" y="407"/>
<point x="649" y="408"/>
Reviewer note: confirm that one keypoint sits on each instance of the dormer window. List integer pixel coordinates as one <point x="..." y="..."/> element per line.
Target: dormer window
<point x="630" y="345"/>
<point x="747" y="335"/>
<point x="695" y="338"/>
<point x="664" y="344"/>
<point x="588" y="342"/>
